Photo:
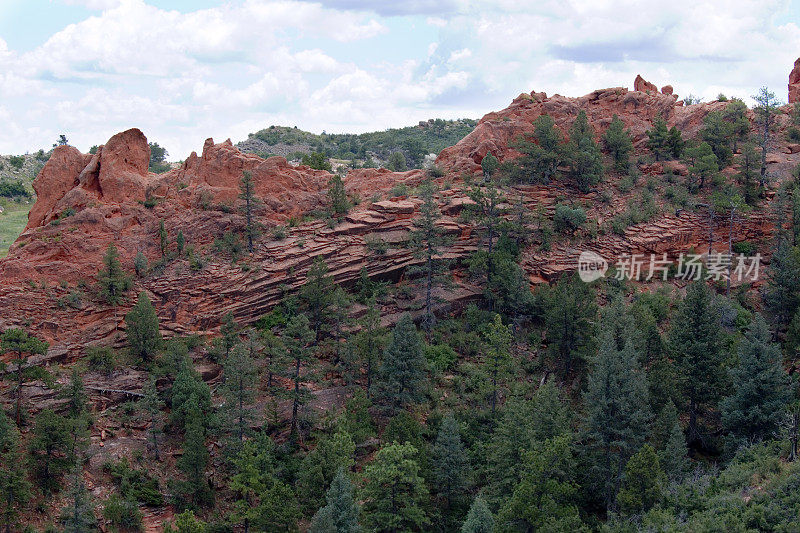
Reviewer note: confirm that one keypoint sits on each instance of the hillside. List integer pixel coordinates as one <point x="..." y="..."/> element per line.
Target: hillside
<point x="241" y="342"/>
<point x="16" y="194"/>
<point x="415" y="142"/>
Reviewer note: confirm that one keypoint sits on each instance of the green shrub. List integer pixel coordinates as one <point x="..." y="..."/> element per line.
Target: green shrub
<point x="13" y="189"/>
<point x="744" y="247"/>
<point x="440" y="357"/>
<point x="134" y="484"/>
<point x="17" y="161"/>
<point x="123" y="514"/>
<point x="101" y="358"/>
<point x="568" y="219"/>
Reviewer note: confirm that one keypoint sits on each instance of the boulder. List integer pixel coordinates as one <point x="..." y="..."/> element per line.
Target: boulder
<point x="642" y="85"/>
<point x="666" y="89"/>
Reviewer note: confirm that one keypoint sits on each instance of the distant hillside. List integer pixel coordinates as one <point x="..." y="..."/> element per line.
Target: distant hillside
<point x="415" y="142"/>
<point x="16" y="193"/>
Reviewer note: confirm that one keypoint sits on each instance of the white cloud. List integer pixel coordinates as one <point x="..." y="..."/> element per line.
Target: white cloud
<point x="346" y="65"/>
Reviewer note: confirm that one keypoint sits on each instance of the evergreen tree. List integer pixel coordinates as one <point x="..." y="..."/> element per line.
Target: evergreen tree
<point x="15" y="489"/>
<point x="748" y="172"/>
<point x="180" y="242"/>
<point x="425" y="241"/>
<point x="394" y="494"/>
<point x="189" y="385"/>
<point x="75" y="394"/>
<point x="298" y="336"/>
<point x="658" y="142"/>
<point x="617" y="410"/>
<point x="547" y="493"/>
<point x="618" y="143"/>
<point x="705" y="165"/>
<point x="489" y="165"/>
<point x="340" y="514"/>
<point x="782" y="291"/>
<point x="263" y="502"/>
<point x="765" y="112"/>
<point x="228" y="337"/>
<point x="643" y="482"/>
<point x="523" y="425"/>
<point x="486" y="213"/>
<point x="671" y="443"/>
<point x="479" y="519"/>
<point x="319" y="467"/>
<point x="403" y="370"/>
<point x="696" y="349"/>
<point x="20" y="344"/>
<point x="239" y="389"/>
<point x="451" y="468"/>
<point x="140" y="264"/>
<point x="735" y="114"/>
<point x="195" y="489"/>
<point x="163" y="241"/>
<point x="497" y="356"/>
<point x="569" y="316"/>
<point x="369" y="344"/>
<point x="754" y="409"/>
<point x="542" y="154"/>
<point x="247" y="192"/>
<point x="315" y="295"/>
<point x="50" y="449"/>
<point x="78" y="515"/>
<point x="152" y="405"/>
<point x="718" y="133"/>
<point x="675" y="142"/>
<point x="144" y="337"/>
<point x="112" y="280"/>
<point x="337" y="197"/>
<point x="585" y="161"/>
<point x="338" y="322"/>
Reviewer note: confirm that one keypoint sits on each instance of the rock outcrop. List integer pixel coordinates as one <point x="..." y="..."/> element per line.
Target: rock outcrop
<point x="642" y="85"/>
<point x="794" y="83"/>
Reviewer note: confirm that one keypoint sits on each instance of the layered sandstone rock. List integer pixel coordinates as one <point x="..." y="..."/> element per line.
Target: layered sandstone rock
<point x="794" y="83"/>
<point x="642" y="85"/>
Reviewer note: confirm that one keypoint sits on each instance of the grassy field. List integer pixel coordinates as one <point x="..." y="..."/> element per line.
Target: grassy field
<point x="12" y="222"/>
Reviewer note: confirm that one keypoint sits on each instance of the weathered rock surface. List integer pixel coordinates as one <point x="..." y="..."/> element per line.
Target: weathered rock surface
<point x="642" y="85"/>
<point x="794" y="83"/>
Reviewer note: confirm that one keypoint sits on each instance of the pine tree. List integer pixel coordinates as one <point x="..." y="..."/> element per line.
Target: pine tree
<point x="163" y="240"/>
<point x="15" y="489"/>
<point x="112" y="280"/>
<point x="78" y="515"/>
<point x="50" y="449"/>
<point x="658" y="138"/>
<point x="239" y="389"/>
<point x="586" y="160"/>
<point x="489" y="165"/>
<point x="671" y="443"/>
<point x="319" y="467"/>
<point x="189" y="385"/>
<point x="718" y="133"/>
<point x="735" y="114"/>
<point x="569" y="316"/>
<point x="705" y="165"/>
<point x="479" y="519"/>
<point x="497" y="356"/>
<point x="297" y="337"/>
<point x="315" y="295"/>
<point x="403" y="370"/>
<point x="696" y="348"/>
<point x="426" y="240"/>
<point x="75" y="394"/>
<point x="338" y="322"/>
<point x="523" y="424"/>
<point x="140" y="264"/>
<point x="247" y="193"/>
<point x="546" y="496"/>
<point x="20" y="344"/>
<point x="643" y="482"/>
<point x="263" y="501"/>
<point x="180" y="242"/>
<point x="754" y="409"/>
<point x="450" y="464"/>
<point x="369" y="344"/>
<point x="394" y="494"/>
<point x="748" y="172"/>
<point x="618" y="143"/>
<point x="617" y="410"/>
<point x="337" y="197"/>
<point x="675" y="142"/>
<point x="340" y="514"/>
<point x="782" y="291"/>
<point x="194" y="461"/>
<point x="765" y="112"/>
<point x="152" y="405"/>
<point x="144" y="337"/>
<point x="542" y="153"/>
<point x="486" y="213"/>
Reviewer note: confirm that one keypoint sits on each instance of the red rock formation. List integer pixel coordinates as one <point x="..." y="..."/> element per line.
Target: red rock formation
<point x="642" y="85"/>
<point x="666" y="89"/>
<point x="794" y="83"/>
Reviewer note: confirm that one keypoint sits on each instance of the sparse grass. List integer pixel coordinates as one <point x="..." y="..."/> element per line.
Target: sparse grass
<point x="12" y="221"/>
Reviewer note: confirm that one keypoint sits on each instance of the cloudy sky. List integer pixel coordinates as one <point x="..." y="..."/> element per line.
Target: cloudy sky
<point x="184" y="70"/>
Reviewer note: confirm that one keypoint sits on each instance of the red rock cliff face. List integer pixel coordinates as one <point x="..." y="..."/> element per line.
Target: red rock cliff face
<point x="794" y="83"/>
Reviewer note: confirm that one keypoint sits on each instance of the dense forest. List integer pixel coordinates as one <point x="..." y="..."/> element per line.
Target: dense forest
<point x="617" y="405"/>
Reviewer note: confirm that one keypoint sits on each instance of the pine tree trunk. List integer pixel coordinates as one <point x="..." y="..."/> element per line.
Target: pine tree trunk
<point x="296" y="401"/>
